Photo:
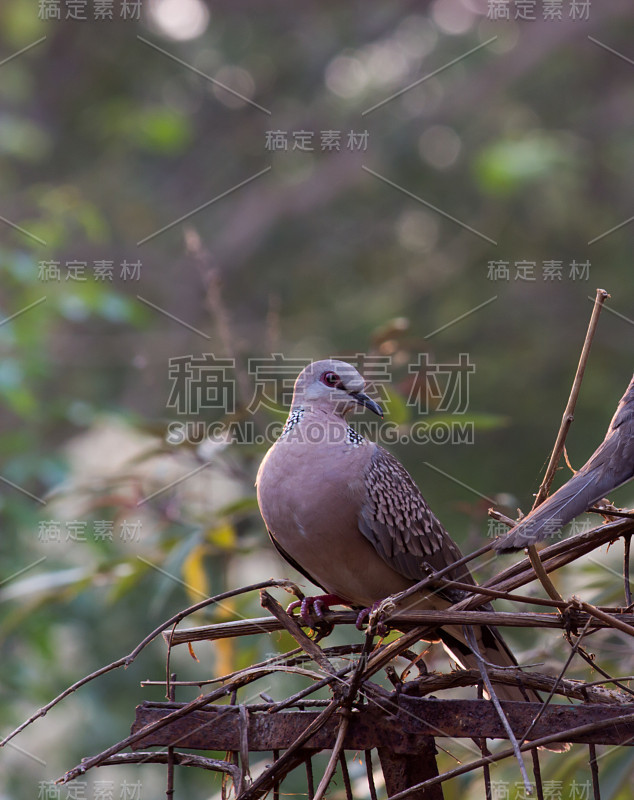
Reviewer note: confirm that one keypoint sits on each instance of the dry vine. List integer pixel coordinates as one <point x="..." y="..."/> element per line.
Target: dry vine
<point x="354" y="693"/>
<point x="351" y="685"/>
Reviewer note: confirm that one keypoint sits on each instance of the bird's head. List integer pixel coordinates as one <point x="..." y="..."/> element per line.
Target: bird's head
<point x="332" y="385"/>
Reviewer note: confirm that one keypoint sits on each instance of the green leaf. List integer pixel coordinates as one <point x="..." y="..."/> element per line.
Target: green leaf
<point x="161" y="129"/>
<point x="243" y="505"/>
<point x="396" y="408"/>
<point x="508" y="165"/>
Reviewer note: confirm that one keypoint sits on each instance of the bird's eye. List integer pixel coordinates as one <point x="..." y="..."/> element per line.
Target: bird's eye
<point x="331" y="379"/>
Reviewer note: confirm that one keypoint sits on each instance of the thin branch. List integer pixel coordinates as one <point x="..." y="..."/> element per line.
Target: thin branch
<point x="289" y="659"/>
<point x="218" y="310"/>
<point x="294" y="700"/>
<point x="575" y="689"/>
<point x="127" y="660"/>
<point x="434" y="576"/>
<point x="611" y="512"/>
<point x="566" y="422"/>
<point x="538" y="775"/>
<point x="471" y="641"/>
<point x="182" y="759"/>
<point x="262" y="784"/>
<point x="370" y="773"/>
<point x="287" y="622"/>
<point x="345" y="711"/>
<point x="568" y="416"/>
<point x="541" y="573"/>
<point x="558" y="680"/>
<point x="593" y="664"/>
<point x="402" y="620"/>
<point x="334" y="756"/>
<point x="611" y="680"/>
<point x="595" y="612"/>
<point x="501" y="595"/>
<point x="183" y="711"/>
<point x="500" y="517"/>
<point x="553" y="557"/>
<point x="627" y="543"/>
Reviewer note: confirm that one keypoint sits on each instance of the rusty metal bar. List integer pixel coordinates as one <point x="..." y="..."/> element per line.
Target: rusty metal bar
<point x="217" y="728"/>
<point x="537" y="772"/>
<point x="413" y="719"/>
<point x="310" y="779"/>
<point x="594" y="771"/>
<point x="346" y="775"/>
<point x="402" y="771"/>
<point x="370" y="773"/>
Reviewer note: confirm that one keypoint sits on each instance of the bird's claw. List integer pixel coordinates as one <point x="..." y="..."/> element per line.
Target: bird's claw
<point x="373" y="616"/>
<point x="312" y="610"/>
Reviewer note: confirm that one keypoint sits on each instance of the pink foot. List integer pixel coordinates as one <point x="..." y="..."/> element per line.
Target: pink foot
<point x="364" y="616"/>
<point x="311" y="609"/>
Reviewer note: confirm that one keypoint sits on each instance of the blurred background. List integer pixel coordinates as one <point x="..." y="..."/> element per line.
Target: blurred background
<point x="200" y="197"/>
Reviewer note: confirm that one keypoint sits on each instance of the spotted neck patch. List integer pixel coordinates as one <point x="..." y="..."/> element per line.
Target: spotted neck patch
<point x="353" y="437"/>
<point x="294" y="418"/>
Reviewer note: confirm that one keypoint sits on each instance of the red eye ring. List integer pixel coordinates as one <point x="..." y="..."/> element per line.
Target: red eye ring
<point x="331" y="379"/>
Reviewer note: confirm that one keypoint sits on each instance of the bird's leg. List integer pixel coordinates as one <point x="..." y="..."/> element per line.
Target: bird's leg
<point x="311" y="609"/>
<point x="363" y="616"/>
<point x="366" y="614"/>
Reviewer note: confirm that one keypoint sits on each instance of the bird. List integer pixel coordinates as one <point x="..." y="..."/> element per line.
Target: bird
<point x="610" y="466"/>
<point x="347" y="515"/>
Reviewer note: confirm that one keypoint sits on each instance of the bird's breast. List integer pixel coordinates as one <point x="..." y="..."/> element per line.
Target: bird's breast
<point x="310" y="502"/>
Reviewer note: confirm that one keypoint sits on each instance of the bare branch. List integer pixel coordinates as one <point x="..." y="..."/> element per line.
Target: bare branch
<point x="569" y="411"/>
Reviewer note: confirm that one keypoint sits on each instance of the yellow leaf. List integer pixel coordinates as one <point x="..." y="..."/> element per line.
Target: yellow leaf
<point x="195" y="575"/>
<point x="223" y="536"/>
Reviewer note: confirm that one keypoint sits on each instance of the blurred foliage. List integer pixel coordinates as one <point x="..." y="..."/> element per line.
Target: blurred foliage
<point x="108" y="141"/>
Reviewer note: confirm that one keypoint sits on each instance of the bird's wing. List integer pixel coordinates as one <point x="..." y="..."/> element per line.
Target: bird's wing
<point x="624" y="414"/>
<point x="293" y="562"/>
<point x="397" y="521"/>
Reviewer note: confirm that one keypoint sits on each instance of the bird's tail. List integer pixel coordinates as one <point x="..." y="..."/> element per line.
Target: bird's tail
<point x="495" y="651"/>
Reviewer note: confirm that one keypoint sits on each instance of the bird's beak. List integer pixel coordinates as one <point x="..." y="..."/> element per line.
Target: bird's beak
<point x="363" y="400"/>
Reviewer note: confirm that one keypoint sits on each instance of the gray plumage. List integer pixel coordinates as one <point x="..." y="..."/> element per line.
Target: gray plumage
<point x="348" y="515"/>
<point x="610" y="466"/>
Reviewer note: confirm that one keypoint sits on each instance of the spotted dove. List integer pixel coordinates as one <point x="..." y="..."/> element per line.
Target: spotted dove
<point x="610" y="466"/>
<point x="348" y="516"/>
